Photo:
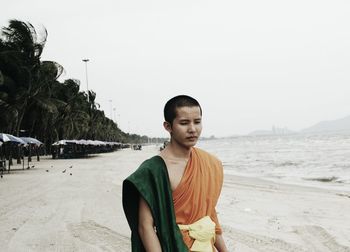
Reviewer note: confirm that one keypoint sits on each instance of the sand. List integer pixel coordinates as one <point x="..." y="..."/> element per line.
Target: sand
<point x="46" y="209"/>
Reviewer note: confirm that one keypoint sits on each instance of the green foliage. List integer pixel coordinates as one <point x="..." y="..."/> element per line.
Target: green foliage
<point x="32" y="98"/>
<point x="1" y="78"/>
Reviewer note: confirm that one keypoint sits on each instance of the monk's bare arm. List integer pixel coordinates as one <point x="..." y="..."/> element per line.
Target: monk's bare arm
<point x="146" y="228"/>
<point x="220" y="244"/>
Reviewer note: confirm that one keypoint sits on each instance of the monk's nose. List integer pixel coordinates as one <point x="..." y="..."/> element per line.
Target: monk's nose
<point x="191" y="128"/>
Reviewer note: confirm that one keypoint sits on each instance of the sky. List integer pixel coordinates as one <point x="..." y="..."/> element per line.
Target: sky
<point x="251" y="64"/>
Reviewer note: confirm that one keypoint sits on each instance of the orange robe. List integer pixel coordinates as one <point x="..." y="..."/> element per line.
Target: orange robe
<point x="198" y="191"/>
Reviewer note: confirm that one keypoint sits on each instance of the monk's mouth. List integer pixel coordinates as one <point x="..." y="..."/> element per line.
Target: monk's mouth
<point x="191" y="138"/>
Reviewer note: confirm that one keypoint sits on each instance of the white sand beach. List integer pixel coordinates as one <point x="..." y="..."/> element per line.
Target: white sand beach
<point x="53" y="207"/>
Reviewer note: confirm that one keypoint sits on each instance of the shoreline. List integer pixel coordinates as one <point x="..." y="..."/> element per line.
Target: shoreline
<point x="54" y="211"/>
<point x="270" y="216"/>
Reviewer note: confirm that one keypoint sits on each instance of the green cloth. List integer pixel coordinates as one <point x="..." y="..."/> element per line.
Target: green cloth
<point x="151" y="181"/>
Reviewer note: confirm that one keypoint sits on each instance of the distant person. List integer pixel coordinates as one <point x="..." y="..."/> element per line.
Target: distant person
<point x="177" y="190"/>
<point x="164" y="145"/>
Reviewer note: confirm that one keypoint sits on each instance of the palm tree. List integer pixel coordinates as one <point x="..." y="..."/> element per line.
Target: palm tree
<point x="20" y="64"/>
<point x="73" y="118"/>
<point x="43" y="107"/>
<point x="32" y="98"/>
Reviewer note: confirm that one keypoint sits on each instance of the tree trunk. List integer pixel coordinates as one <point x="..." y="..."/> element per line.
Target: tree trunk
<point x="31" y="131"/>
<point x="37" y="153"/>
<point x="18" y="153"/>
<point x="20" y="118"/>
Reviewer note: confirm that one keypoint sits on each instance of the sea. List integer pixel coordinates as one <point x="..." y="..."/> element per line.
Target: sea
<point x="310" y="160"/>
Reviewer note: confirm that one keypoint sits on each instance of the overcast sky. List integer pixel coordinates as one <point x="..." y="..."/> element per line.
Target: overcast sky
<point x="251" y="64"/>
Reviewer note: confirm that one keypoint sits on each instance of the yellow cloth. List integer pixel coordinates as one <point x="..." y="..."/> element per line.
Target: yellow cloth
<point x="202" y="231"/>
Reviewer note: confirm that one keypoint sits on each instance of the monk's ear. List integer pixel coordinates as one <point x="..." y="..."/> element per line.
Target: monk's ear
<point x="167" y="126"/>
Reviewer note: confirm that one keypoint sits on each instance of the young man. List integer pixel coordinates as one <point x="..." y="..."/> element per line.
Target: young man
<point x="170" y="200"/>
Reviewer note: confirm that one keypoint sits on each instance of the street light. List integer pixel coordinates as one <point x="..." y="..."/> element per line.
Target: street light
<point x="114" y="117"/>
<point x="111" y="109"/>
<point x="86" y="74"/>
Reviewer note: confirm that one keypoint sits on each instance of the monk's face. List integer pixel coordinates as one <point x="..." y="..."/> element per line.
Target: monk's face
<point x="187" y="126"/>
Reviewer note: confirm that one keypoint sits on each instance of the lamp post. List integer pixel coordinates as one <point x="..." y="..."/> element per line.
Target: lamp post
<point x="118" y="120"/>
<point x="86" y="75"/>
<point x="111" y="109"/>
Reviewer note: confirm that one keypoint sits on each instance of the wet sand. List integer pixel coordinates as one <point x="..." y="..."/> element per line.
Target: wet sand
<point x="47" y="209"/>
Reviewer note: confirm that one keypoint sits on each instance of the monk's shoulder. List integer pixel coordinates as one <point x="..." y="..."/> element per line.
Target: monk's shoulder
<point x="214" y="166"/>
<point x="209" y="157"/>
<point x="149" y="165"/>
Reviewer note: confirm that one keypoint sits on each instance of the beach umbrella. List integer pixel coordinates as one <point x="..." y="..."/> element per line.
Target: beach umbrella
<point x="83" y="142"/>
<point x="60" y="142"/>
<point x="11" y="138"/>
<point x="100" y="142"/>
<point x="90" y="142"/>
<point x="31" y="140"/>
<point x="16" y="139"/>
<point x="65" y="142"/>
<point x="4" y="137"/>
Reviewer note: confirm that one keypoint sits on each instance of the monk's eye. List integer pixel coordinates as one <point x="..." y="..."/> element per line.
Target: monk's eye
<point x="197" y="122"/>
<point x="184" y="122"/>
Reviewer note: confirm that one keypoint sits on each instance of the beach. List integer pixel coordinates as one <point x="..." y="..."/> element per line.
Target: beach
<point x="75" y="205"/>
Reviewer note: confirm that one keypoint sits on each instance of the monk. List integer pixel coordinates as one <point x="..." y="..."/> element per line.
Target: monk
<point x="170" y="200"/>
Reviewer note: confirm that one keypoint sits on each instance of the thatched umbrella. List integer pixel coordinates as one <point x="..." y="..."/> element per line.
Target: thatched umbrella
<point x="8" y="138"/>
<point x="33" y="142"/>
